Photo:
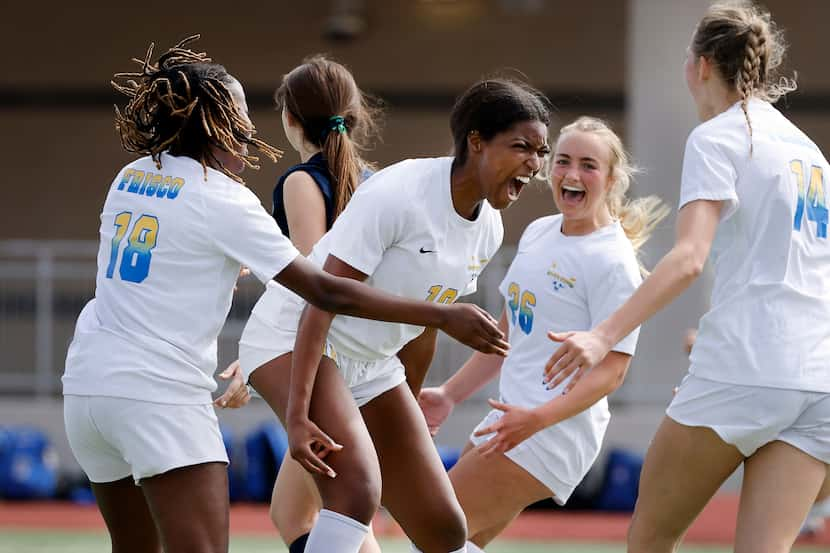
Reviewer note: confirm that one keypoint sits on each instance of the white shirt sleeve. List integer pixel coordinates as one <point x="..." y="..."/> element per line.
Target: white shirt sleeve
<point x="243" y="230"/>
<point x="708" y="173"/>
<point x="609" y="292"/>
<point x="371" y="223"/>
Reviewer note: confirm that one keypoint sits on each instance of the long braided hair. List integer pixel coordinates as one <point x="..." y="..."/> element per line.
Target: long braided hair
<point x="747" y="48"/>
<point x="182" y="104"/>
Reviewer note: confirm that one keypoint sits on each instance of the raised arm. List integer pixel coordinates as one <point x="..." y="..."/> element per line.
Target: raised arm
<point x="467" y="323"/>
<point x="697" y="222"/>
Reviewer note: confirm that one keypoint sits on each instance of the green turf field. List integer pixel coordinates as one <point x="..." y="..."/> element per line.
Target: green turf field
<point x="87" y="542"/>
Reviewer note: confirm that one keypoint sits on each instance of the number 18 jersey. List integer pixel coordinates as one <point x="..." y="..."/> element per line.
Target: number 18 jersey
<point x="172" y="241"/>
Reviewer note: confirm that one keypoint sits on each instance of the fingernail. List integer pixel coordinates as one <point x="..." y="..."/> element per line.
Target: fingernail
<point x="224" y="403"/>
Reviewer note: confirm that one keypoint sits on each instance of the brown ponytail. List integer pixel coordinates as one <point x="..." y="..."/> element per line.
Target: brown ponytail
<point x="336" y="116"/>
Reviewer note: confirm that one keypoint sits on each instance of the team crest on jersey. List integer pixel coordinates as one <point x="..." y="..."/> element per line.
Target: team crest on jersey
<point x="560" y="281"/>
<point x="475" y="266"/>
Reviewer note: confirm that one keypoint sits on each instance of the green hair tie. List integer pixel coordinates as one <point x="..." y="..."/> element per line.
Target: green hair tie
<point x="337" y="123"/>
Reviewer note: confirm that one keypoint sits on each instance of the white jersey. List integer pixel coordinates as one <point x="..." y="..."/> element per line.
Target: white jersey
<point x="402" y="230"/>
<point x="769" y="320"/>
<point x="559" y="283"/>
<point x="172" y="241"/>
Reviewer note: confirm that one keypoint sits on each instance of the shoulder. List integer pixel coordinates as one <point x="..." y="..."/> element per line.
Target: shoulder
<point x="725" y="134"/>
<point x="315" y="169"/>
<point x="399" y="181"/>
<point x="612" y="254"/>
<point x="302" y="185"/>
<point x="539" y="228"/>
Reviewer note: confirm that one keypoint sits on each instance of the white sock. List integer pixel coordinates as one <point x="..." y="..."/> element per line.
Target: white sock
<point x="334" y="532"/>
<point x="464" y="549"/>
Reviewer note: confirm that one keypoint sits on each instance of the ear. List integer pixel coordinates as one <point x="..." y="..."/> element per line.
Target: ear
<point x="289" y="119"/>
<point x="704" y="68"/>
<point x="474" y="141"/>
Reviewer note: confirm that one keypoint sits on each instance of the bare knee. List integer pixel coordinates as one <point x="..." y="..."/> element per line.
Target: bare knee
<point x="643" y="539"/>
<point x="442" y="530"/>
<point x="293" y="520"/>
<point x="356" y="496"/>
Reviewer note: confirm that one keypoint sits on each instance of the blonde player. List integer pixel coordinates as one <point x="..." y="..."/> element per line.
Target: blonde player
<point x="758" y="389"/>
<point x="570" y="271"/>
<point x="422" y="228"/>
<point x="175" y="226"/>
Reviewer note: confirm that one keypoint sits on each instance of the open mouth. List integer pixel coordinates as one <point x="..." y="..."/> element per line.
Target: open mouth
<point x="572" y="194"/>
<point x="514" y="187"/>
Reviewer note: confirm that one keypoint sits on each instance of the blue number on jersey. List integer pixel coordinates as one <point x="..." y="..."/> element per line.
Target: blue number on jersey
<point x="135" y="260"/>
<point x="521" y="306"/>
<point x="811" y="196"/>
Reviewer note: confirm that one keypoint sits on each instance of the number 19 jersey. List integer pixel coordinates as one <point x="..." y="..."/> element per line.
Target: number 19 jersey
<point x="172" y="242"/>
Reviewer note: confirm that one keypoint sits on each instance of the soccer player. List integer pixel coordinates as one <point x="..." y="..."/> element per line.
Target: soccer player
<point x="175" y="227"/>
<point x="422" y="228"/>
<point x="570" y="271"/>
<point x="758" y="389"/>
<point x="328" y="121"/>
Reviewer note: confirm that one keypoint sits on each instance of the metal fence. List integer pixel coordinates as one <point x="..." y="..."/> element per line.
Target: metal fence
<point x="45" y="284"/>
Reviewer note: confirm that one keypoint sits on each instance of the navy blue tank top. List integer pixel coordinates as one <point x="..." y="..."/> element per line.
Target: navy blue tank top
<point x="318" y="170"/>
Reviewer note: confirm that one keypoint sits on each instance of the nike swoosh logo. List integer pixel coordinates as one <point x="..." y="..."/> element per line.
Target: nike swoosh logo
<point x="422" y="250"/>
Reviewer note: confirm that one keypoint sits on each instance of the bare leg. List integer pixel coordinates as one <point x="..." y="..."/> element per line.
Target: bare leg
<point x="355" y="492"/>
<point x="190" y="507"/>
<point x="824" y="492"/>
<point x="127" y="516"/>
<point x="416" y="489"/>
<point x="490" y="508"/>
<point x="779" y="486"/>
<point x="295" y="501"/>
<point x="684" y="467"/>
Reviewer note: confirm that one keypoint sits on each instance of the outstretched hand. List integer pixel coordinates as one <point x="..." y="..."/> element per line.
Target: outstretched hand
<point x="309" y="445"/>
<point x="237" y="393"/>
<point x="515" y="426"/>
<point x="475" y="327"/>
<point x="436" y="406"/>
<point x="579" y="352"/>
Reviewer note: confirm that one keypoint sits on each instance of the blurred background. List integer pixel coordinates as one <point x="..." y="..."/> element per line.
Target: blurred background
<point x="617" y="59"/>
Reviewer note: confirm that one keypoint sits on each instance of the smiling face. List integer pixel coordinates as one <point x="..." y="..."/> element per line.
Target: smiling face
<point x="506" y="163"/>
<point x="581" y="180"/>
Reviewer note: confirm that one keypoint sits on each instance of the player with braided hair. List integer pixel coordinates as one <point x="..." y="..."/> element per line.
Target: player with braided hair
<point x="176" y="226"/>
<point x="758" y="389"/>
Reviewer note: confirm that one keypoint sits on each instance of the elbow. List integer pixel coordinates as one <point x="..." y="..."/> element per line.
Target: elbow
<point x="691" y="262"/>
<point x="616" y="378"/>
<point x="333" y="295"/>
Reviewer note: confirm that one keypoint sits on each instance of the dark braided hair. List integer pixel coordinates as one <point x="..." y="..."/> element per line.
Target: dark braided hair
<point x="182" y="104"/>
